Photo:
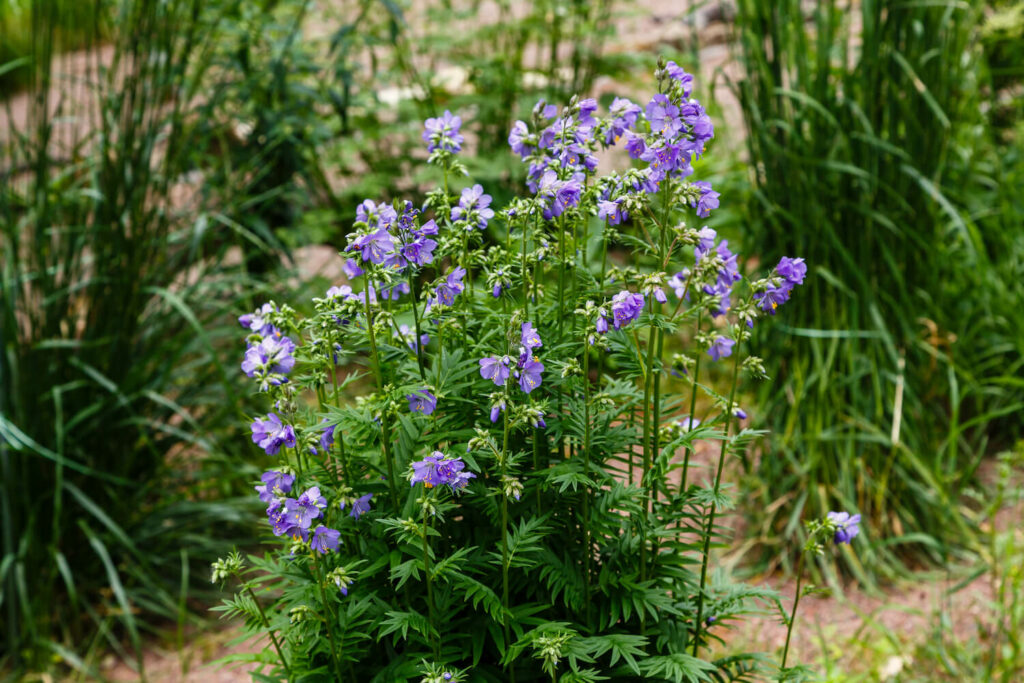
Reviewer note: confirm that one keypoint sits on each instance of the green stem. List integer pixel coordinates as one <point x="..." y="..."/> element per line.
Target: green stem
<point x="586" y="471"/>
<point x="435" y="646"/>
<point x="321" y="577"/>
<point x="270" y="631"/>
<point x="416" y="322"/>
<point x="385" y="426"/>
<point x="709" y="530"/>
<point x="504" y="536"/>
<point x="796" y="603"/>
<point x="646" y="469"/>
<point x="693" y="407"/>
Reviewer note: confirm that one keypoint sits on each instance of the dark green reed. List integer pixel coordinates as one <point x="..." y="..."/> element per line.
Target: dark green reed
<point x="116" y="306"/>
<point x="865" y="128"/>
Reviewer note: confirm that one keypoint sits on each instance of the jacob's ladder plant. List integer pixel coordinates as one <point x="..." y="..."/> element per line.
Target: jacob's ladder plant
<point x="479" y="459"/>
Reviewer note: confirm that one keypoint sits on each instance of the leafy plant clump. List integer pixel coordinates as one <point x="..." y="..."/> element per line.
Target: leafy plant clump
<point x="514" y="495"/>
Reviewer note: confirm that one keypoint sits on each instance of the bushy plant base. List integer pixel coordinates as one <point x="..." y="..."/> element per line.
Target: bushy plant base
<point x="514" y="498"/>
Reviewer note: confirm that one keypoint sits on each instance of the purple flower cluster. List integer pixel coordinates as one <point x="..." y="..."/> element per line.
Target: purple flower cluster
<point x="792" y="272"/>
<point x="728" y="273"/>
<point x="294" y="516"/>
<point x="561" y="155"/>
<point x="437" y="469"/>
<point x="442" y="133"/>
<point x="258" y="321"/>
<point x="451" y="287"/>
<point x="626" y="307"/>
<point x="527" y="369"/>
<point x="275" y="485"/>
<point x="270" y="434"/>
<point x="847" y="526"/>
<point x="473" y="208"/>
<point x="270" y="360"/>
<point x="391" y="239"/>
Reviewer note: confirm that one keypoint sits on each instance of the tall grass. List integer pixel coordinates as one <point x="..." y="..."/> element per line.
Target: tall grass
<point x="863" y="121"/>
<point x="115" y="303"/>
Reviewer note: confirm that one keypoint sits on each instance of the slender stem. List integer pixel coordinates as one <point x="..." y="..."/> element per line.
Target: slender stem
<point x="504" y="537"/>
<point x="270" y="631"/>
<point x="586" y="471"/>
<point x="526" y="280"/>
<point x="796" y="603"/>
<point x="416" y="320"/>
<point x="693" y="407"/>
<point x="646" y="470"/>
<point x="385" y="426"/>
<point x="709" y="530"/>
<point x="321" y="577"/>
<point x="430" y="590"/>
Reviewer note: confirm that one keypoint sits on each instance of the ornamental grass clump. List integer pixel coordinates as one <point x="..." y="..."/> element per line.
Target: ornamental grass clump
<point x="511" y="492"/>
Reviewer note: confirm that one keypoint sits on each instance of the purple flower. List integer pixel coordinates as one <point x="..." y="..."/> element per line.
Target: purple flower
<point x="360" y="505"/>
<point x="258" y="321"/>
<point x="428" y="228"/>
<point x="529" y="376"/>
<point x="609" y="211"/>
<point x="373" y="247"/>
<point x="495" y="369"/>
<point x="302" y="511"/>
<point x="664" y="116"/>
<point x="451" y="287"/>
<point x="567" y="195"/>
<point x="473" y="207"/>
<point x="586" y="113"/>
<point x="602" y="323"/>
<point x="708" y="199"/>
<point x="336" y="292"/>
<point x="325" y="540"/>
<point x="351" y="269"/>
<point x="436" y="469"/>
<point x="282" y="524"/>
<point x="793" y="270"/>
<point x="518" y="140"/>
<point x="847" y="526"/>
<point x="497" y="409"/>
<point x="678" y="283"/>
<point x="659" y="295"/>
<point x="375" y="216"/>
<point x="443" y="133"/>
<point x="419" y="252"/>
<point x="773" y="297"/>
<point x="677" y="74"/>
<point x="635" y="145"/>
<point x="327" y="437"/>
<point x="626" y="307"/>
<point x="530" y="339"/>
<point x="721" y="348"/>
<point x="270" y="434"/>
<point x="705" y="241"/>
<point x="422" y="401"/>
<point x="624" y="115"/>
<point x="688" y="423"/>
<point x="665" y="158"/>
<point x="275" y="485"/>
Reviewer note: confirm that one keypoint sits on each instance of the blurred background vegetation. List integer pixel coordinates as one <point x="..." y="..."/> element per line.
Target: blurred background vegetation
<point x="164" y="165"/>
